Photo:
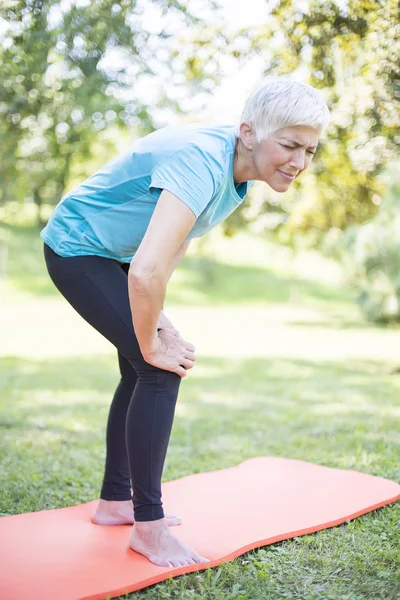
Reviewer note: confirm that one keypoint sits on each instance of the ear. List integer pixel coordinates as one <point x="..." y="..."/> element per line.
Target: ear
<point x="246" y="134"/>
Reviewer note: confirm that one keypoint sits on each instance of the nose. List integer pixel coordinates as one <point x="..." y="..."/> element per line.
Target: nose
<point x="298" y="159"/>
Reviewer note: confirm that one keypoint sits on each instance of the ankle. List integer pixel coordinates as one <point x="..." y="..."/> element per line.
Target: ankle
<point x="153" y="525"/>
<point x="111" y="503"/>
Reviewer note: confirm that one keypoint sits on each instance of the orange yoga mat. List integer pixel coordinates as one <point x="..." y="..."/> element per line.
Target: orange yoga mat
<point x="60" y="554"/>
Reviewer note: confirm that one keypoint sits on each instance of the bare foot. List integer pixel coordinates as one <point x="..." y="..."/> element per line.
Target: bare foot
<point x="154" y="540"/>
<point x="120" y="512"/>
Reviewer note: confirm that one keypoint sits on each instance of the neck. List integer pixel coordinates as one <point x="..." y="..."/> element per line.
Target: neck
<point x="243" y="165"/>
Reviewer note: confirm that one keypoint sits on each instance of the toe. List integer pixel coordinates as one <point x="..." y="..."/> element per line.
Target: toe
<point x="175" y="563"/>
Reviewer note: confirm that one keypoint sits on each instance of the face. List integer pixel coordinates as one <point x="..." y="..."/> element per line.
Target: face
<point x="281" y="158"/>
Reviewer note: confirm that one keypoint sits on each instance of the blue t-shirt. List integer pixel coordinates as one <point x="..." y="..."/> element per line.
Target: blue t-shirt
<point x="108" y="214"/>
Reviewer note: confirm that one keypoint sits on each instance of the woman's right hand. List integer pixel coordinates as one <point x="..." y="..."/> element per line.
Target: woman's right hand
<point x="170" y="352"/>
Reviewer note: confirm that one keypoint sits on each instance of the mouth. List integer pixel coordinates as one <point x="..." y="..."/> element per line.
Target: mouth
<point x="286" y="175"/>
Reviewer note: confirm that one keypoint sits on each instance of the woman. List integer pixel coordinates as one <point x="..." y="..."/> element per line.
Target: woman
<point x="111" y="246"/>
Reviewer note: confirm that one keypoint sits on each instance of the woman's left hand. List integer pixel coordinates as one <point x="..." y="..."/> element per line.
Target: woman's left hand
<point x="165" y="323"/>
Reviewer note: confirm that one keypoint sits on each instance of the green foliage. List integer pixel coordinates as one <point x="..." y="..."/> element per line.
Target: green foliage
<point x="56" y="96"/>
<point x="58" y="100"/>
<point x="351" y="53"/>
<point x="371" y="253"/>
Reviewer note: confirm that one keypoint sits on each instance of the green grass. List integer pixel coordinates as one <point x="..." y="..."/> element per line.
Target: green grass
<point x="286" y="367"/>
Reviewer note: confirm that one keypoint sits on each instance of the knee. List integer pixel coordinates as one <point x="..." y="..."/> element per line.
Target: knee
<point x="159" y="377"/>
<point x="127" y="371"/>
<point x="129" y="376"/>
<point x="168" y="379"/>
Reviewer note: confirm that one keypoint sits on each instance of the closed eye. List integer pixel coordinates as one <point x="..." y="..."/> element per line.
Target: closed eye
<point x="293" y="148"/>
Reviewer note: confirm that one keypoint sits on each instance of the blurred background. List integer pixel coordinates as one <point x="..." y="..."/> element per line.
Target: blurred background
<point x="82" y="79"/>
<point x="293" y="303"/>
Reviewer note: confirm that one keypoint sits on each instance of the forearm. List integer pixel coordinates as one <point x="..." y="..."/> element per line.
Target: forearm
<point x="146" y="298"/>
<point x="177" y="259"/>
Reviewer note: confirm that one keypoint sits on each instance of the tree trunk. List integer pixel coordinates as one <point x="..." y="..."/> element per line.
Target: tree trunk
<point x="38" y="202"/>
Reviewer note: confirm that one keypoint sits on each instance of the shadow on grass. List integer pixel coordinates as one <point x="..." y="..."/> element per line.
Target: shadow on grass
<point x="26" y="268"/>
<point x="241" y="397"/>
<point x="54" y="417"/>
<point x="256" y="375"/>
<point x="235" y="284"/>
<point x="92" y="373"/>
<point x="216" y="283"/>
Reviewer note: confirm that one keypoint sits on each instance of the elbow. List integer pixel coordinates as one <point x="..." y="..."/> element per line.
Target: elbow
<point x="143" y="279"/>
<point x="139" y="280"/>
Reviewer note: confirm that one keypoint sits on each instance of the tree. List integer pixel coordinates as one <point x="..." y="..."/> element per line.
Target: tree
<point x="351" y="52"/>
<point x="55" y="95"/>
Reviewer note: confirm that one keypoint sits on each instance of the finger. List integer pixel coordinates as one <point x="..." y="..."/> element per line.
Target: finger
<point x="190" y="355"/>
<point x="188" y="364"/>
<point x="181" y="371"/>
<point x="189" y="346"/>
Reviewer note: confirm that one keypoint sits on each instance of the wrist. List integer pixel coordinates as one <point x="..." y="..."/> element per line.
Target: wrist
<point x="164" y="322"/>
<point x="148" y="350"/>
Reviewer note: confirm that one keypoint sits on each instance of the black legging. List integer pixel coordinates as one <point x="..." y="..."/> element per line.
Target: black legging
<point x="142" y="411"/>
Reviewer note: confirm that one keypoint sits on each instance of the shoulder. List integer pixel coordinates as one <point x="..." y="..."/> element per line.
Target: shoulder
<point x="212" y="146"/>
<point x="213" y="140"/>
<point x="207" y="139"/>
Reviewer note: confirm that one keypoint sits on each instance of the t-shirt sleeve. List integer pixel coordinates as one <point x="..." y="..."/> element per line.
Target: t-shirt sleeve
<point x="190" y="174"/>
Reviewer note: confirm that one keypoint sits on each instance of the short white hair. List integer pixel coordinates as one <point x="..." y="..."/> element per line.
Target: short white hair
<point x="281" y="101"/>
